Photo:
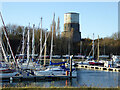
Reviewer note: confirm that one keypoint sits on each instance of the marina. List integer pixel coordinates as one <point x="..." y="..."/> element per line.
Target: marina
<point x="38" y="56"/>
<point x="88" y="78"/>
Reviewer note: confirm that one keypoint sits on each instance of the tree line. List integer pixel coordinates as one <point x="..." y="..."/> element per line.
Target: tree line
<point x="107" y="45"/>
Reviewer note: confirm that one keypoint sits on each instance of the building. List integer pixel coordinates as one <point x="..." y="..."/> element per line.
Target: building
<point x="71" y="26"/>
<point x="71" y="33"/>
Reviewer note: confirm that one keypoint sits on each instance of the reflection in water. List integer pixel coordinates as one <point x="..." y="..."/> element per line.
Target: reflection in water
<point x="87" y="78"/>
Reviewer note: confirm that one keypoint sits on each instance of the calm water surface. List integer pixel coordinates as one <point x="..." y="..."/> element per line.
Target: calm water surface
<point x="89" y="78"/>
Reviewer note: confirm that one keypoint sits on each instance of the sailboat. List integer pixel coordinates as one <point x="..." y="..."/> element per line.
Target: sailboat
<point x="28" y="64"/>
<point x="89" y="59"/>
<point x="51" y="70"/>
<point x="98" y="62"/>
<point x="5" y="71"/>
<point x="4" y="68"/>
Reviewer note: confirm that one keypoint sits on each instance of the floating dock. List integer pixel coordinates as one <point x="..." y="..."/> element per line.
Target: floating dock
<point x="34" y="78"/>
<point x="99" y="68"/>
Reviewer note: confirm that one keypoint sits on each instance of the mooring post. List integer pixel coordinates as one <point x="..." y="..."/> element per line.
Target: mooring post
<point x="71" y="65"/>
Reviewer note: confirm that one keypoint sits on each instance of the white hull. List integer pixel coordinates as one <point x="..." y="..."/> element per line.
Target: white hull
<point x="8" y="74"/>
<point x="84" y="62"/>
<point x="25" y="66"/>
<point x="50" y="71"/>
<point x="57" y="71"/>
<point x="45" y="73"/>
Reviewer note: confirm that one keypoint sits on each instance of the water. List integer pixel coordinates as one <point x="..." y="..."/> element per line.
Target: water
<point x="97" y="78"/>
<point x="89" y="78"/>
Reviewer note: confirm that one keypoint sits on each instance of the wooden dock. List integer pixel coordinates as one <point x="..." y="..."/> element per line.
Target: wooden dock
<point x="34" y="78"/>
<point x="99" y="68"/>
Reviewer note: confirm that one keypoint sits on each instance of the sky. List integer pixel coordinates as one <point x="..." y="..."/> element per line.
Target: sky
<point x="100" y="18"/>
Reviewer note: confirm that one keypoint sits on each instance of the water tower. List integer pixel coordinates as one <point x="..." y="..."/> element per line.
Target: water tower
<point x="71" y="26"/>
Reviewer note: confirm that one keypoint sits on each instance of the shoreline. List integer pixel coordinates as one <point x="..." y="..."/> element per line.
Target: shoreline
<point x="58" y="88"/>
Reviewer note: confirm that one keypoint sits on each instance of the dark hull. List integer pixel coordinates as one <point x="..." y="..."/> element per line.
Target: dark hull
<point x="96" y="63"/>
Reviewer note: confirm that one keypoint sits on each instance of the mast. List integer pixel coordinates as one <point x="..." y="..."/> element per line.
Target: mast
<point x="28" y="44"/>
<point x="58" y="28"/>
<point x="23" y="41"/>
<point x="33" y="43"/>
<point x="80" y="47"/>
<point x="52" y="39"/>
<point x="41" y="39"/>
<point x="98" y="48"/>
<point x="104" y="48"/>
<point x="8" y="41"/>
<point x="69" y="39"/>
<point x="2" y="49"/>
<point x="0" y="45"/>
<point x="80" y="40"/>
<point x="45" y="42"/>
<point x="45" y="49"/>
<point x="93" y="45"/>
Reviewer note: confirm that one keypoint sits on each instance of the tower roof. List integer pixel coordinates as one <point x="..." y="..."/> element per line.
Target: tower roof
<point x="71" y="13"/>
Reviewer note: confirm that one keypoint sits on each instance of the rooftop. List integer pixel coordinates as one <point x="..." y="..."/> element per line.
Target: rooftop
<point x="71" y="13"/>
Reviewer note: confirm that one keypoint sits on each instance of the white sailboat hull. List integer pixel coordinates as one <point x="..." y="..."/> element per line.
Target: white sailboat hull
<point x="45" y="73"/>
<point x="8" y="74"/>
<point x="57" y="71"/>
<point x="50" y="71"/>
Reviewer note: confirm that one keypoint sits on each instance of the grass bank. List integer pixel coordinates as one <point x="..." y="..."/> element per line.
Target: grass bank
<point x="58" y="88"/>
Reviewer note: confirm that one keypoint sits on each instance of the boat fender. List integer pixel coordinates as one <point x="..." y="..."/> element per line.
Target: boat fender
<point x="11" y="79"/>
<point x="67" y="73"/>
